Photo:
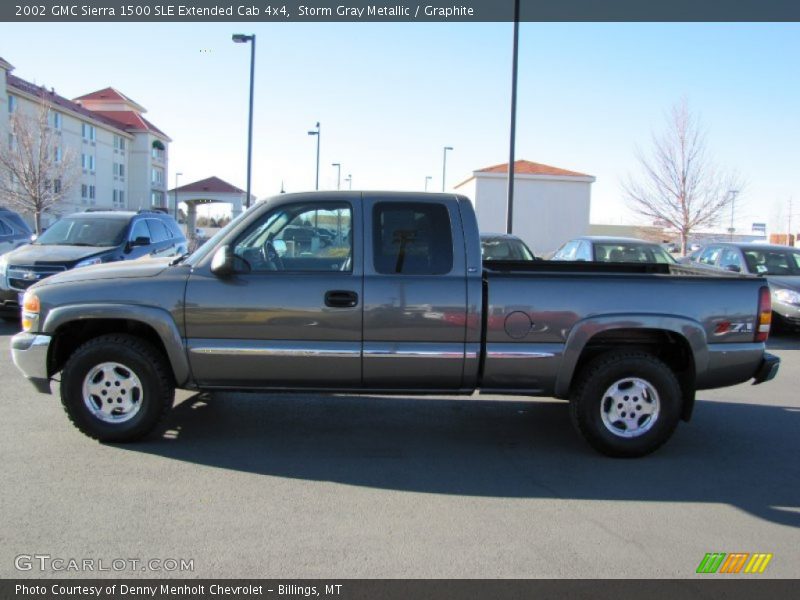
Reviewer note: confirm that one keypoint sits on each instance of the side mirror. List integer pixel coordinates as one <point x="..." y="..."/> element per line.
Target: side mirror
<point x="140" y="241"/>
<point x="222" y="262"/>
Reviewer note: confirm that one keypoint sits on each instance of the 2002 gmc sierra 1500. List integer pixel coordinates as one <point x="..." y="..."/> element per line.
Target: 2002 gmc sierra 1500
<point x="386" y="292"/>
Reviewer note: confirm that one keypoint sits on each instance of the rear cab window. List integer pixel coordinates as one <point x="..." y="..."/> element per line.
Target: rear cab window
<point x="412" y="238"/>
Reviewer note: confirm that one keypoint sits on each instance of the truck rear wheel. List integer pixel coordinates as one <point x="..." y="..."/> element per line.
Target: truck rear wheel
<point x="626" y="404"/>
<point x="116" y="388"/>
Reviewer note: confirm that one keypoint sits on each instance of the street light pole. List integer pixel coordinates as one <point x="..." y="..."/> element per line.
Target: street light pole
<point x="444" y="164"/>
<point x="349" y="180"/>
<point x="317" y="133"/>
<point x="176" y="194"/>
<point x="427" y="179"/>
<point x="513" y="128"/>
<point x="338" y="175"/>
<point x="240" y="38"/>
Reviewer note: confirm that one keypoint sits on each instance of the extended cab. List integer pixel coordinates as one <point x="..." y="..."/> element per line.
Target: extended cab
<point x="394" y="299"/>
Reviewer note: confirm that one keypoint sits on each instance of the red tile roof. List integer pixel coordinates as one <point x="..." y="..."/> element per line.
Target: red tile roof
<point x="129" y="119"/>
<point x="125" y="120"/>
<point x="27" y="87"/>
<point x="215" y="185"/>
<point x="526" y="167"/>
<point x="108" y="93"/>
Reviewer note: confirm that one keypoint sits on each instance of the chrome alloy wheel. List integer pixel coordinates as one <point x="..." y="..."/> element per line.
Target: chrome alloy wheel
<point x="112" y="392"/>
<point x="629" y="407"/>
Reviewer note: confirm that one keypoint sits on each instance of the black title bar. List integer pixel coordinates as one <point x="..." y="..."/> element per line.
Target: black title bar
<point x="400" y="11"/>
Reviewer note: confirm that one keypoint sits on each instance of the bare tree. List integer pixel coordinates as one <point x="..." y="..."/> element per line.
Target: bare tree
<point x="679" y="184"/>
<point x="36" y="172"/>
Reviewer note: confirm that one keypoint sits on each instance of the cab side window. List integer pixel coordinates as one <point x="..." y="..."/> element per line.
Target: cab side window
<point x="158" y="232"/>
<point x="411" y="238"/>
<point x="709" y="256"/>
<point x="139" y="230"/>
<point x="567" y="251"/>
<point x="309" y="237"/>
<point x="731" y="260"/>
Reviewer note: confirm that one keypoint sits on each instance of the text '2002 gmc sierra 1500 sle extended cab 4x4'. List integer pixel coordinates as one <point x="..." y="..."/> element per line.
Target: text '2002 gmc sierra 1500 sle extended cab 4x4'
<point x="386" y="292"/>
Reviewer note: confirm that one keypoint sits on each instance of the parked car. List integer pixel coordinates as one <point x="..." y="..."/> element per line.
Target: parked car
<point x="779" y="264"/>
<point x="14" y="231"/>
<point x="613" y="249"/>
<point x="84" y="239"/>
<point x="504" y="246"/>
<point x="404" y="305"/>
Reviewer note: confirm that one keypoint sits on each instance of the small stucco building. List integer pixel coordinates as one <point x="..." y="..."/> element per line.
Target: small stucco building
<point x="551" y="205"/>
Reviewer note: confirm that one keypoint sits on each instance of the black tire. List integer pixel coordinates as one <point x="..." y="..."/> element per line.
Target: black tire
<point x="140" y="358"/>
<point x="587" y="403"/>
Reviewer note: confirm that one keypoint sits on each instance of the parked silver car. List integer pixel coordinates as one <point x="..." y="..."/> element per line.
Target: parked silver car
<point x="779" y="264"/>
<point x="613" y="249"/>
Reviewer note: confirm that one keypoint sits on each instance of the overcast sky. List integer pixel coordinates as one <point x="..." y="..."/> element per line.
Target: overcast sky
<point x="390" y="96"/>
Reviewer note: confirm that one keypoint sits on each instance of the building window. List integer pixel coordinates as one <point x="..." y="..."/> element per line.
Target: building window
<point x="158" y="150"/>
<point x="12" y="141"/>
<point x="119" y="170"/>
<point x="158" y="176"/>
<point x="12" y="103"/>
<point x="157" y="199"/>
<point x="57" y="154"/>
<point x="119" y="199"/>
<point x="87" y="162"/>
<point x="91" y="194"/>
<point x="88" y="132"/>
<point x="84" y="193"/>
<point x="119" y="143"/>
<point x="57" y="186"/>
<point x="56" y="120"/>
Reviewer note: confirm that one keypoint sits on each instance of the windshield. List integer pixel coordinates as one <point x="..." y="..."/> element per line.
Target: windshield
<point x="85" y="231"/>
<point x="505" y="249"/>
<point x="631" y="253"/>
<point x="771" y="261"/>
<point x="209" y="245"/>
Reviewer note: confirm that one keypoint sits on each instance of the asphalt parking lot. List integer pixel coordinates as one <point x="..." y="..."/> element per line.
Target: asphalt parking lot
<point x="348" y="487"/>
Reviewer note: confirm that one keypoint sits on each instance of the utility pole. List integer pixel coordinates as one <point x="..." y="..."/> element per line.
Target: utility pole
<point x="513" y="128"/>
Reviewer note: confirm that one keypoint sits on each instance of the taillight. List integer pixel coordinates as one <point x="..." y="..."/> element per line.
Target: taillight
<point x="764" y="318"/>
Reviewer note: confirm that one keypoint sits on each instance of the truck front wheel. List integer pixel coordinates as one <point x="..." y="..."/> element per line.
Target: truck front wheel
<point x="116" y="388"/>
<point x="626" y="404"/>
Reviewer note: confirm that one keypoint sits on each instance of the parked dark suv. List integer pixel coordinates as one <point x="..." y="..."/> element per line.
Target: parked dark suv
<point x="84" y="239"/>
<point x="13" y="230"/>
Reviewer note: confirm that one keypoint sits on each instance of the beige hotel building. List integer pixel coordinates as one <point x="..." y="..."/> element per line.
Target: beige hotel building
<point x="122" y="157"/>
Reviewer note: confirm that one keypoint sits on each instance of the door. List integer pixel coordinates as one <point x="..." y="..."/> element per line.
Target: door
<point x="415" y="294"/>
<point x="291" y="315"/>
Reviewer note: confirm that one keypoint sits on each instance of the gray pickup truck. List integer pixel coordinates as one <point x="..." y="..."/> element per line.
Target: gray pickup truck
<point x="386" y="292"/>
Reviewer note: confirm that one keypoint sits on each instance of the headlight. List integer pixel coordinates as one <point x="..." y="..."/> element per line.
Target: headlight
<point x="88" y="262"/>
<point x="788" y="297"/>
<point x="30" y="310"/>
<point x="3" y="269"/>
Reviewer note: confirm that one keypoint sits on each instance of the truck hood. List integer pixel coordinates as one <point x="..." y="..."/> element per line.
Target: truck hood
<point x="790" y="282"/>
<point x="146" y="267"/>
<point x="33" y="254"/>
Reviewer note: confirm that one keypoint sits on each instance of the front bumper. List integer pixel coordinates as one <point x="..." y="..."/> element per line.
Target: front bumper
<point x="29" y="351"/>
<point x="768" y="369"/>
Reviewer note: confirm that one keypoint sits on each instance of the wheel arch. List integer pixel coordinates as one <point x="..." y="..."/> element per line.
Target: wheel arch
<point x="677" y="341"/>
<point x="70" y="326"/>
